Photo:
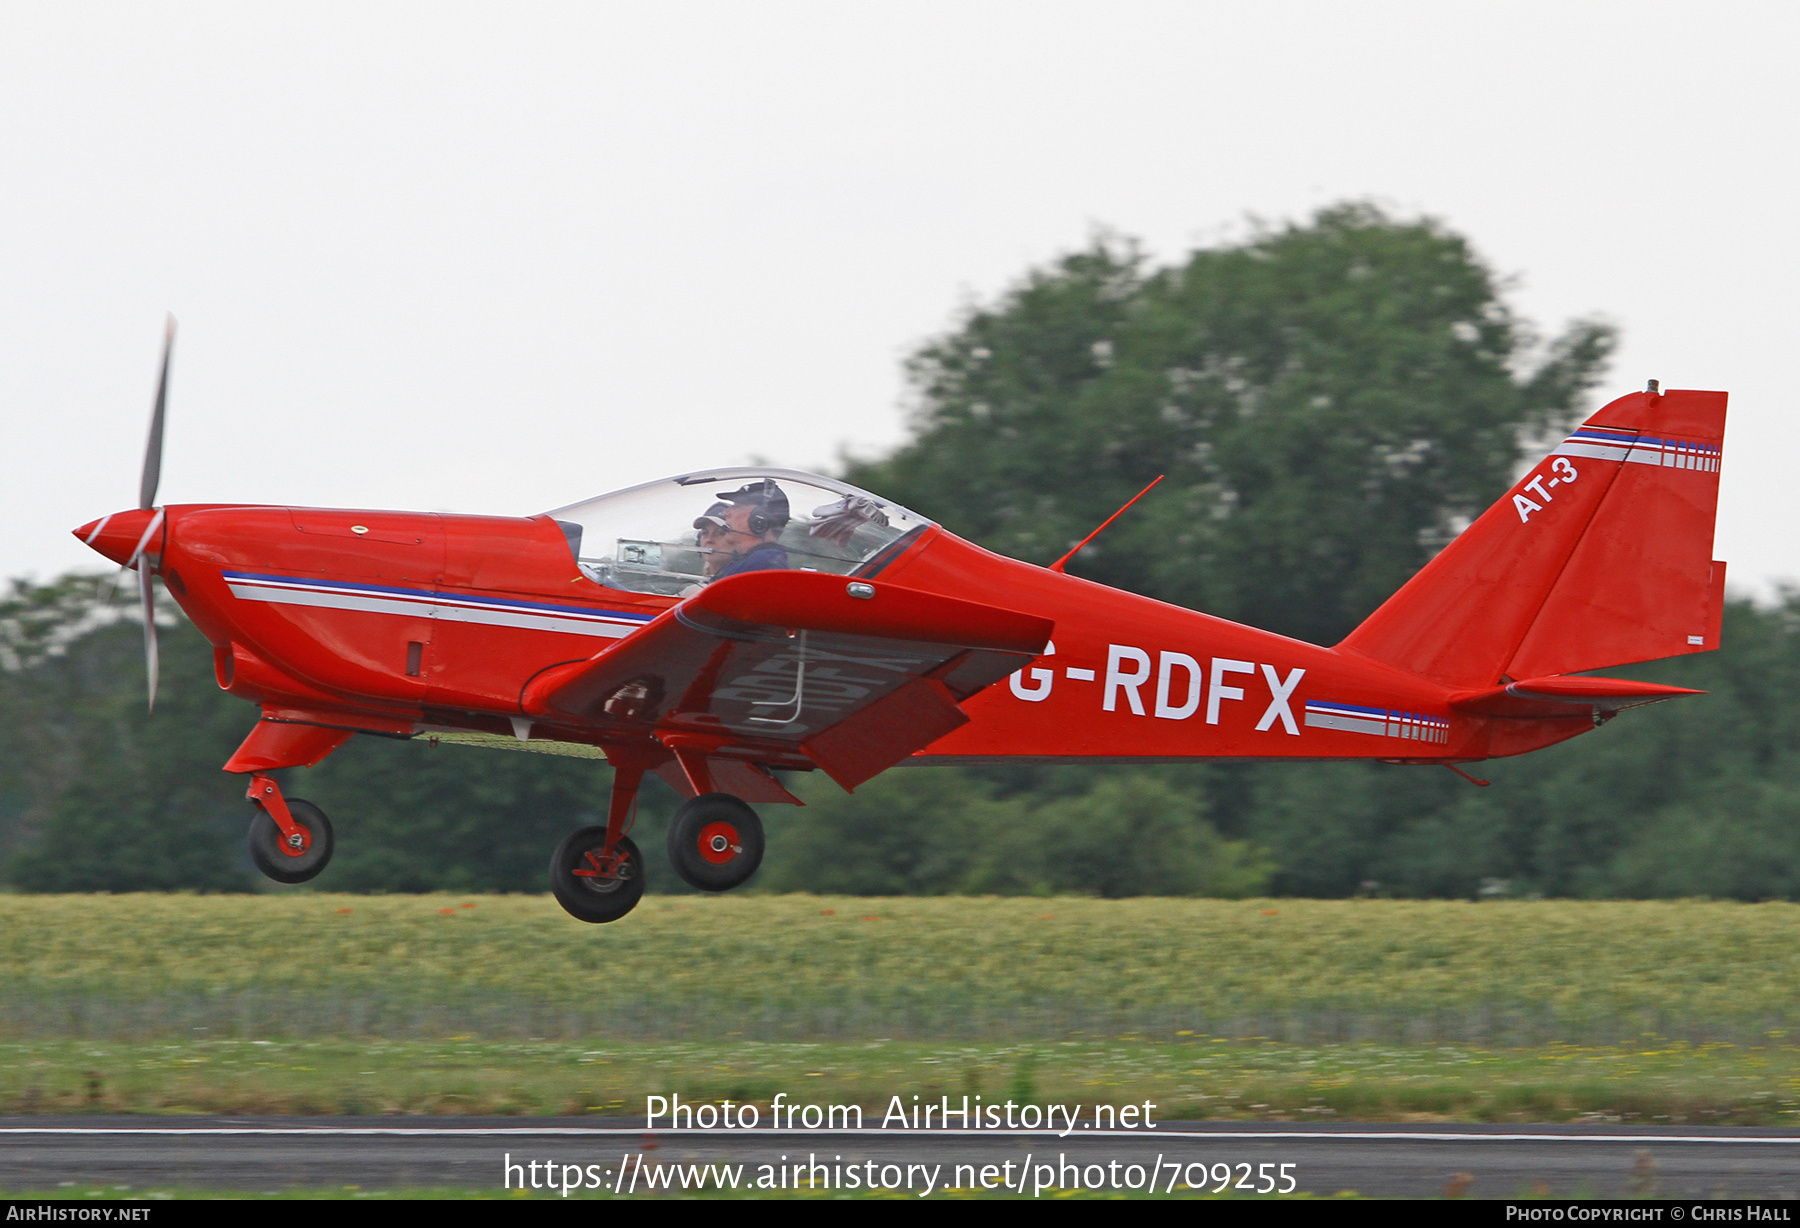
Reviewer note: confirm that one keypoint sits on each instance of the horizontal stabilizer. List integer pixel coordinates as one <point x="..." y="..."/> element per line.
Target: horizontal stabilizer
<point x="1562" y="696"/>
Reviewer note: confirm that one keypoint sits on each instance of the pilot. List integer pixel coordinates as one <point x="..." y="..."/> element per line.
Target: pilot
<point x="742" y="531"/>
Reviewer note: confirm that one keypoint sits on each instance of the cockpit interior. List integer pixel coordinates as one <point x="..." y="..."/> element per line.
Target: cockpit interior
<point x="673" y="536"/>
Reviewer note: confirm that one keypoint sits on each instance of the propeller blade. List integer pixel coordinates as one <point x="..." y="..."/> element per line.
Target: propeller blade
<point x="153" y="449"/>
<point x="148" y="595"/>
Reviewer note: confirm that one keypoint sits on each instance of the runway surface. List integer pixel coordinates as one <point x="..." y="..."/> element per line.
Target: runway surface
<point x="80" y="1154"/>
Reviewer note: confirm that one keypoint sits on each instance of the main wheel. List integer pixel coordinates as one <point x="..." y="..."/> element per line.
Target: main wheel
<point x="715" y="842"/>
<point x="591" y="896"/>
<point x="267" y="843"/>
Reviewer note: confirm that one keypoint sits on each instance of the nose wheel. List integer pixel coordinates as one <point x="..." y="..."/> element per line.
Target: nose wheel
<point x="295" y="856"/>
<point x="715" y="842"/>
<point x="290" y="840"/>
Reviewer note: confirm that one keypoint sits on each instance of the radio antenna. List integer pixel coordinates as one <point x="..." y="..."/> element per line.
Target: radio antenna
<point x="1059" y="564"/>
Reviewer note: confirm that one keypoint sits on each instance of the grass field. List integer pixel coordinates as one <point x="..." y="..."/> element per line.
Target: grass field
<point x="813" y="968"/>
<point x="313" y="1003"/>
<point x="1186" y="1080"/>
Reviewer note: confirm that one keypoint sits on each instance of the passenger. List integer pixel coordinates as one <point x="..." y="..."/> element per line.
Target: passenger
<point x="742" y="532"/>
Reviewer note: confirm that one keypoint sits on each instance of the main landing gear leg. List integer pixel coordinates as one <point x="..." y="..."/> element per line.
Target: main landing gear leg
<point x="597" y="874"/>
<point x="715" y="840"/>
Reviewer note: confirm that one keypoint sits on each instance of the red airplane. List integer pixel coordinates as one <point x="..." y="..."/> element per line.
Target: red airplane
<point x="718" y="627"/>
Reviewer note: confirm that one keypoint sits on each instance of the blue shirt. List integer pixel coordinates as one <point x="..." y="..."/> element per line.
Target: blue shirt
<point x="767" y="556"/>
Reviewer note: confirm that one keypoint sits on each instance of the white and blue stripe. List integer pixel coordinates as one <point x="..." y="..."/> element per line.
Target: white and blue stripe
<point x="1607" y="443"/>
<point x="1382" y="722"/>
<point x="447" y="607"/>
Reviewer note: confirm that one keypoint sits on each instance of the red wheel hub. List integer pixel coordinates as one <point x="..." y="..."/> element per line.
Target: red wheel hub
<point x="601" y="867"/>
<point x="719" y="843"/>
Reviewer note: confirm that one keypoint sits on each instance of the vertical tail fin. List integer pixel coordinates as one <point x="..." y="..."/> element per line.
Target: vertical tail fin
<point x="1601" y="556"/>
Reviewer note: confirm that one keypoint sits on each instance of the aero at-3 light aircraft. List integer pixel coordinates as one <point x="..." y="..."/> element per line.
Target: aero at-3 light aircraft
<point x="717" y="627"/>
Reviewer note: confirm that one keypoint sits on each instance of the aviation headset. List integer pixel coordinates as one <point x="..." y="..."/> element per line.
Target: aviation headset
<point x="768" y="507"/>
<point x="762" y="518"/>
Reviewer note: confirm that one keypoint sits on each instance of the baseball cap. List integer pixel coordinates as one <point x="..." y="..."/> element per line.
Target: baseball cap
<point x="714" y="515"/>
<point x="764" y="494"/>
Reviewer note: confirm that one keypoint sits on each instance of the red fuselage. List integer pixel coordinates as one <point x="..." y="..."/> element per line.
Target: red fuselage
<point x="405" y="622"/>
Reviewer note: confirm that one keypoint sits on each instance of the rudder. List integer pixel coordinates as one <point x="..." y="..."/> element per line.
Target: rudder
<point x="1601" y="555"/>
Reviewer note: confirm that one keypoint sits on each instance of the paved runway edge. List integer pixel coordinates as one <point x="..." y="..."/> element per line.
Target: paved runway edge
<point x="510" y="1127"/>
<point x="1401" y="1159"/>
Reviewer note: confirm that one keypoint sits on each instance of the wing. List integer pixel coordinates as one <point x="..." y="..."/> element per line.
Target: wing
<point x="779" y="667"/>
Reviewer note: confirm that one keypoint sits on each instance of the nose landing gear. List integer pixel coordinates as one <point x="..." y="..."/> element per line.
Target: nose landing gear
<point x="290" y="839"/>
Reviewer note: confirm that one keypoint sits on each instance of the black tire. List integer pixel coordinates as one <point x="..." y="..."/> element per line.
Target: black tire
<point x="715" y="842"/>
<point x="266" y="843"/>
<point x="595" y="899"/>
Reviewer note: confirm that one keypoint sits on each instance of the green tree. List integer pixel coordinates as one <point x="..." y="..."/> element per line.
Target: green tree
<point x="943" y="831"/>
<point x="904" y="833"/>
<point x="98" y="795"/>
<point x="1330" y="401"/>
<point x="1130" y="833"/>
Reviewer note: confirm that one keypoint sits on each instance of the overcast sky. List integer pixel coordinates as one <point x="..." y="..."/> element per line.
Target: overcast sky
<point x="497" y="258"/>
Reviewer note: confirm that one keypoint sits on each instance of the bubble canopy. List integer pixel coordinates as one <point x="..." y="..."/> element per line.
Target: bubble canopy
<point x="670" y="537"/>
